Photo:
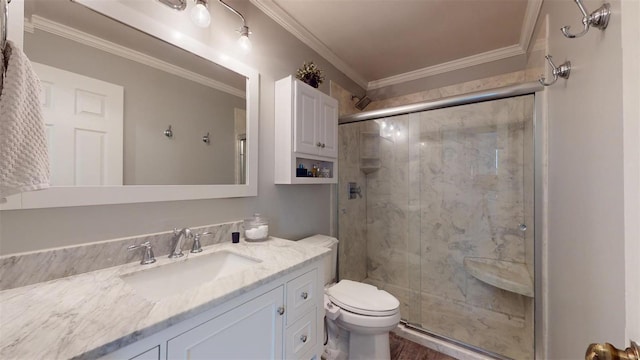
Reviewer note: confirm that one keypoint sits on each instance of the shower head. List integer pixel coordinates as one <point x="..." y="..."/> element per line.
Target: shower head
<point x="362" y="101"/>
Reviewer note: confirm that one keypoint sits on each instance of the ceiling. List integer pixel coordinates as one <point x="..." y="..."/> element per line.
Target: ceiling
<point x="385" y="42"/>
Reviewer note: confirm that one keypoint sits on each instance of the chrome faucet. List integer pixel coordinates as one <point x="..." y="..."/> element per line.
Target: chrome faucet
<point x="176" y="250"/>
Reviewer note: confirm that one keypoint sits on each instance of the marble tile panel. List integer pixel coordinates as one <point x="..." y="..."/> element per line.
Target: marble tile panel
<point x="35" y="267"/>
<point x="499" y="333"/>
<point x="352" y="249"/>
<point x="346" y="105"/>
<point x="483" y="84"/>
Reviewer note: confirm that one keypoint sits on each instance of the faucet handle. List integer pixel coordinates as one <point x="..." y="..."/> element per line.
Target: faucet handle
<point x="197" y="247"/>
<point x="147" y="257"/>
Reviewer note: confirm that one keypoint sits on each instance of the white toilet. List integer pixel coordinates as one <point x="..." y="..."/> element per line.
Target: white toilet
<point x="366" y="312"/>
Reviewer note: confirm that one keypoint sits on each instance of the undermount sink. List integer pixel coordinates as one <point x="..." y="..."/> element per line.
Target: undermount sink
<point x="170" y="279"/>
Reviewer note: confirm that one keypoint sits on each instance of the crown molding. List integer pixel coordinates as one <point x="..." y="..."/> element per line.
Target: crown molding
<point x="52" y="27"/>
<point x="526" y="32"/>
<point x="489" y="56"/>
<point x="277" y="14"/>
<point x="529" y="23"/>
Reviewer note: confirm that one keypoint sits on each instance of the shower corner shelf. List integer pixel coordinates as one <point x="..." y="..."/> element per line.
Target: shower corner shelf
<point x="509" y="276"/>
<point x="369" y="169"/>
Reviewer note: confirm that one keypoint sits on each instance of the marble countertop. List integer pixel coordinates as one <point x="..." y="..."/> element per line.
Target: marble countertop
<point x="91" y="314"/>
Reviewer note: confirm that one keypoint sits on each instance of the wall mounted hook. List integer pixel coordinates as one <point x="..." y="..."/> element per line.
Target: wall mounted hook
<point x="598" y="19"/>
<point x="206" y="139"/>
<point x="562" y="71"/>
<point x="168" y="133"/>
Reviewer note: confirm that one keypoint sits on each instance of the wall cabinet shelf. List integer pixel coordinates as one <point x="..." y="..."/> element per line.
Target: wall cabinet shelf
<point x="306" y="133"/>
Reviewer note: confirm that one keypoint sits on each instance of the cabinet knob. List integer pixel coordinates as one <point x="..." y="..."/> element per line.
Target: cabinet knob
<point x="281" y="310"/>
<point x="303" y="338"/>
<point x="304" y="295"/>
<point x="322" y="145"/>
<point x="318" y="144"/>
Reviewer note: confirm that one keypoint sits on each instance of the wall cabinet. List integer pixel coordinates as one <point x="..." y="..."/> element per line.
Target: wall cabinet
<point x="280" y="320"/>
<point x="306" y="132"/>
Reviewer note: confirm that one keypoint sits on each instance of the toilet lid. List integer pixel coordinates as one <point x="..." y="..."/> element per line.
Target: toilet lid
<point x="363" y="299"/>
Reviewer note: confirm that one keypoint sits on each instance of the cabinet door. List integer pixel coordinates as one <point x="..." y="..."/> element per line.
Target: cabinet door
<point x="151" y="354"/>
<point x="253" y="330"/>
<point x="306" y="117"/>
<point x="327" y="128"/>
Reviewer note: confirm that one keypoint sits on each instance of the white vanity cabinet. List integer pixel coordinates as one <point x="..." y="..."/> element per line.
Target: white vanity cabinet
<point x="252" y="330"/>
<point x="306" y="132"/>
<point x="279" y="320"/>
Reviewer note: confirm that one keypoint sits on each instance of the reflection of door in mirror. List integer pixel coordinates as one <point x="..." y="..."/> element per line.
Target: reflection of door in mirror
<point x="240" y="120"/>
<point x="84" y="127"/>
<point x="162" y="85"/>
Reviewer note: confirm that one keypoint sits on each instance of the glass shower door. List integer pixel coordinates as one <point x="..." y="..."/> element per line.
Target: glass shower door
<point x="446" y="211"/>
<point x="473" y="162"/>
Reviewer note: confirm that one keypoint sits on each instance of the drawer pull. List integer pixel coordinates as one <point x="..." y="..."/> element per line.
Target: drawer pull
<point x="304" y="295"/>
<point x="281" y="310"/>
<point x="303" y="338"/>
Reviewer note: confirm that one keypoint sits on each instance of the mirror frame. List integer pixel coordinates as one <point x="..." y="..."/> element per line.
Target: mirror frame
<point x="67" y="196"/>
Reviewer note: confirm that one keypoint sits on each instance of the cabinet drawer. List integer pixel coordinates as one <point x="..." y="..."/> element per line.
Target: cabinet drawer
<point x="301" y="337"/>
<point x="301" y="295"/>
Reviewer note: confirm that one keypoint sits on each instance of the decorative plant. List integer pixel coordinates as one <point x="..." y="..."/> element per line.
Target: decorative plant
<point x="310" y="73"/>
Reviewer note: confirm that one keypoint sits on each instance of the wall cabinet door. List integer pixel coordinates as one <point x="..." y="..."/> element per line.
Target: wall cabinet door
<point x="327" y="127"/>
<point x="253" y="330"/>
<point x="306" y="118"/>
<point x="315" y="123"/>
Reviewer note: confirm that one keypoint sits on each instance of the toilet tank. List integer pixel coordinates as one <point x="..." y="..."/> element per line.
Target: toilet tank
<point x="331" y="261"/>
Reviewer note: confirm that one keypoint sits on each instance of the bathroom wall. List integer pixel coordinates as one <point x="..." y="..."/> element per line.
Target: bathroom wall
<point x="295" y="211"/>
<point x="587" y="150"/>
<point x="154" y="99"/>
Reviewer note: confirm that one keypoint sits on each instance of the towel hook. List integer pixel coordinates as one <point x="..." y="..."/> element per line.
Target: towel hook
<point x="563" y="71"/>
<point x="598" y="19"/>
<point x="168" y="133"/>
<point x="206" y="139"/>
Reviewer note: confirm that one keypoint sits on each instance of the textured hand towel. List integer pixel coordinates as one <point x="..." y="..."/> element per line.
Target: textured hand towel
<point x="24" y="160"/>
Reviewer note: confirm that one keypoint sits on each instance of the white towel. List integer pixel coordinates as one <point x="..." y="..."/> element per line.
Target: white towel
<point x="24" y="159"/>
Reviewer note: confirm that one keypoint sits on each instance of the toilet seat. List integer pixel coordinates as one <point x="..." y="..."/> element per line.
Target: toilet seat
<point x="363" y="299"/>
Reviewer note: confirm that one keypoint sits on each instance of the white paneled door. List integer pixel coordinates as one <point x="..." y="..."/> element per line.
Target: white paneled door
<point x="84" y="119"/>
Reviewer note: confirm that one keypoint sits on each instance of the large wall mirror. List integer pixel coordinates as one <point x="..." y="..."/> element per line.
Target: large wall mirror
<point x="138" y="108"/>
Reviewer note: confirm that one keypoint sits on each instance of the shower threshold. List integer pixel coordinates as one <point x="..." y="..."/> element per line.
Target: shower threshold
<point x="449" y="350"/>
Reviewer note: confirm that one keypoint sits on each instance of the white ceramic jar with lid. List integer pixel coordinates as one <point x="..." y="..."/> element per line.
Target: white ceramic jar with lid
<point x="256" y="228"/>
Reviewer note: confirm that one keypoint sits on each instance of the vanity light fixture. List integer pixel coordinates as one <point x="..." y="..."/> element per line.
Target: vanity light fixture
<point x="200" y="14"/>
<point x="201" y="17"/>
<point x="243" y="41"/>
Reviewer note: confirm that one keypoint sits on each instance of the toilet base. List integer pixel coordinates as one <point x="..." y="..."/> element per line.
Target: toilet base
<point x="369" y="347"/>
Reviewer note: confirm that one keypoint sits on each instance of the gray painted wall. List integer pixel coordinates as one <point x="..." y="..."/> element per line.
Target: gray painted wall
<point x="153" y="99"/>
<point x="586" y="269"/>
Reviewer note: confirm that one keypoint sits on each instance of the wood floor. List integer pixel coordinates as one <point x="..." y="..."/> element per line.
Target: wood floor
<point x="403" y="349"/>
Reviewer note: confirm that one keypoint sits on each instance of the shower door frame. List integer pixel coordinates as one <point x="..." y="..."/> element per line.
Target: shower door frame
<point x="540" y="195"/>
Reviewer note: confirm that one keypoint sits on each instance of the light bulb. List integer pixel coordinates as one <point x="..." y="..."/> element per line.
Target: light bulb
<point x="245" y="44"/>
<point x="200" y="14"/>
